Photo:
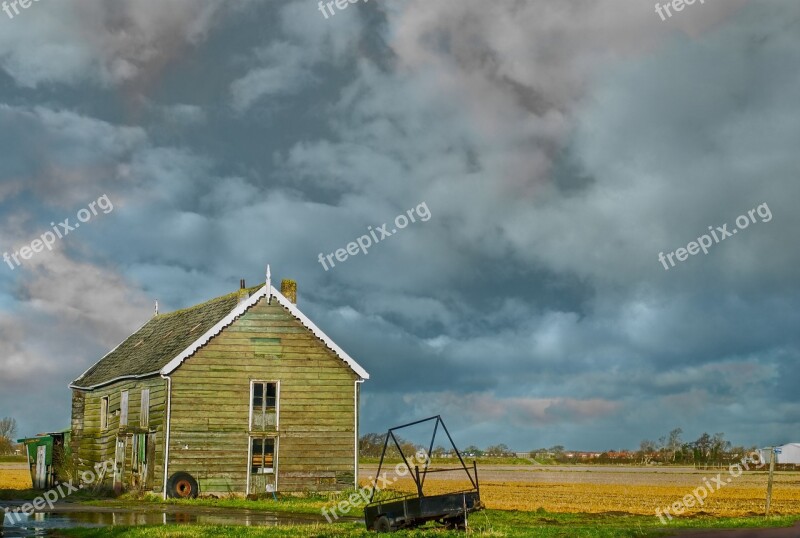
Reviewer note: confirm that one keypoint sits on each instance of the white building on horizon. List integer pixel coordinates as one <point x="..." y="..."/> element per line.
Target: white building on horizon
<point x="788" y="453"/>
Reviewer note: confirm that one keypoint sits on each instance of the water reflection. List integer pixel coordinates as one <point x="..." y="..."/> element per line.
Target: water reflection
<point x="39" y="524"/>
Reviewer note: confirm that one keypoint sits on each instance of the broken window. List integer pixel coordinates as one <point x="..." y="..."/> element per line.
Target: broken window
<point x="104" y="413"/>
<point x="144" y="412"/>
<point x="263" y="459"/>
<point x="264" y="409"/>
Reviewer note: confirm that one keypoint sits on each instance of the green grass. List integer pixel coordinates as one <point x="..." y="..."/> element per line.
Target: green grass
<point x="19" y="494"/>
<point x="310" y="503"/>
<point x="13" y="459"/>
<point x="88" y="495"/>
<point x="490" y="523"/>
<point x="214" y="531"/>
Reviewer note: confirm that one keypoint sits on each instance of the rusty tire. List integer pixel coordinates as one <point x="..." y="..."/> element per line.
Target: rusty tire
<point x="182" y="486"/>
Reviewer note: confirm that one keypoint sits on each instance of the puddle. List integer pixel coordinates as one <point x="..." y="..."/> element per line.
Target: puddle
<point x="41" y="523"/>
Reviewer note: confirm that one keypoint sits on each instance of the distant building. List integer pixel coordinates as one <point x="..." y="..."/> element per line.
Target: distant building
<point x="787" y="454"/>
<point x="241" y="394"/>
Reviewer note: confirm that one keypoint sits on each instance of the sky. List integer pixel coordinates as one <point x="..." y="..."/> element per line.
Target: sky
<point x="562" y="152"/>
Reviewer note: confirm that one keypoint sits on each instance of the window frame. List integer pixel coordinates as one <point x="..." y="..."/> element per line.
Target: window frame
<point x="275" y="458"/>
<point x="277" y="383"/>
<point x="263" y="438"/>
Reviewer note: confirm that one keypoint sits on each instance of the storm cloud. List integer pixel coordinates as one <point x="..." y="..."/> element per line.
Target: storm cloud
<point x="559" y="146"/>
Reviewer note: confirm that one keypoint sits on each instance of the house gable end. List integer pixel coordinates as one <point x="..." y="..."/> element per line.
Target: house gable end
<point x="241" y="309"/>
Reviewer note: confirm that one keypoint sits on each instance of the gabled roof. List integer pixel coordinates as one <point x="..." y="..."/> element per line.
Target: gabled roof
<point x="162" y="344"/>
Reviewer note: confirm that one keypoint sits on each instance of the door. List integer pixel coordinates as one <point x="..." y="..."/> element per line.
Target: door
<point x="263" y="467"/>
<point x="119" y="464"/>
<point x="139" y="455"/>
<point x="41" y="467"/>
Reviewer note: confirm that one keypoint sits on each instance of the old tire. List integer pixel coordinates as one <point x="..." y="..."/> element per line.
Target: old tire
<point x="382" y="524"/>
<point x="182" y="486"/>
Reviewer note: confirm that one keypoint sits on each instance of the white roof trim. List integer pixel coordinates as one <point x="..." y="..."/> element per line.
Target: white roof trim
<point x="241" y="309"/>
<point x="291" y="307"/>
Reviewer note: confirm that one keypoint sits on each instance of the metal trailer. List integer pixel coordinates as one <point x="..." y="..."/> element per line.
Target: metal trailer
<point x="409" y="511"/>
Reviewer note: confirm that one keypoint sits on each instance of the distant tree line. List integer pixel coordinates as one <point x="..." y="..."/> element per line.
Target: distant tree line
<point x="713" y="450"/>
<point x="371" y="446"/>
<point x="706" y="450"/>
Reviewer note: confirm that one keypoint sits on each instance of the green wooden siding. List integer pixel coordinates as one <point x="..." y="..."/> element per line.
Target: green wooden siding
<point x="210" y="430"/>
<point x="92" y="445"/>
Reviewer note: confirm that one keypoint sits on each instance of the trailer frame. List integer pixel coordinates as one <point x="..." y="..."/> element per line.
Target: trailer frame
<point x="409" y="511"/>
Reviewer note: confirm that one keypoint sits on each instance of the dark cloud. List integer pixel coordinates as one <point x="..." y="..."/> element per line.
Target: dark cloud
<point x="559" y="147"/>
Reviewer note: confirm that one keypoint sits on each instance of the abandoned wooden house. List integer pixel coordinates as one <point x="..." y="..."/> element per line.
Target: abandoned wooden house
<point x="241" y="394"/>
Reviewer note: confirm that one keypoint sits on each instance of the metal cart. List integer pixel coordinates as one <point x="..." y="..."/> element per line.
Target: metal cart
<point x="409" y="511"/>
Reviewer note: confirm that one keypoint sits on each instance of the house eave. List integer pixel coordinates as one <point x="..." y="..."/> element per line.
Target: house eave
<point x="111" y="381"/>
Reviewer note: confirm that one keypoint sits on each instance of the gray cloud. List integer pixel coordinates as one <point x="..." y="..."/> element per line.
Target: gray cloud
<point x="98" y="42"/>
<point x="559" y="146"/>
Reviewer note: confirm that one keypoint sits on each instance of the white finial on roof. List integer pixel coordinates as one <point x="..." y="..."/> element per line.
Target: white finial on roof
<point x="269" y="285"/>
<point x="156" y="309"/>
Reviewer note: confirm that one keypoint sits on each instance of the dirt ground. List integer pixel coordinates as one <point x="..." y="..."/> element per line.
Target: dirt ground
<point x="636" y="490"/>
<point x="15" y="476"/>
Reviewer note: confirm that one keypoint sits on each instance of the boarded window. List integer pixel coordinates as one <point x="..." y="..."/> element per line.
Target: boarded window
<point x="263" y="451"/>
<point x="104" y="412"/>
<point x="264" y="405"/>
<point x="144" y="412"/>
<point x="123" y="408"/>
<point x="266" y="347"/>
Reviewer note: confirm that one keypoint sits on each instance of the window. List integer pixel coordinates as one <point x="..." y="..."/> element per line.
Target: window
<point x="123" y="409"/>
<point x="144" y="413"/>
<point x="104" y="413"/>
<point x="263" y="451"/>
<point x="264" y="408"/>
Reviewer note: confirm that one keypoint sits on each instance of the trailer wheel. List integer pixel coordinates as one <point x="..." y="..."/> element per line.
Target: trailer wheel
<point x="382" y="524"/>
<point x="182" y="486"/>
<point x="455" y="524"/>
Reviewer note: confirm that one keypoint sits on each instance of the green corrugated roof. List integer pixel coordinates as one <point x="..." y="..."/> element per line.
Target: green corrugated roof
<point x="159" y="341"/>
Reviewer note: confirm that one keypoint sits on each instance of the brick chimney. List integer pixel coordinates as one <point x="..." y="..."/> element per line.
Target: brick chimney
<point x="243" y="293"/>
<point x="289" y="289"/>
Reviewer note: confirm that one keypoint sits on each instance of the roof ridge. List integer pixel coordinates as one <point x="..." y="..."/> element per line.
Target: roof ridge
<point x="250" y="290"/>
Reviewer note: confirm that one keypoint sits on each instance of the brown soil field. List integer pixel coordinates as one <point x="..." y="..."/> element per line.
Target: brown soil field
<point x="635" y="490"/>
<point x="15" y="476"/>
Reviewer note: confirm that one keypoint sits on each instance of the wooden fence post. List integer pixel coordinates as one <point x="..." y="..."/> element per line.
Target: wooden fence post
<point x="769" y="481"/>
